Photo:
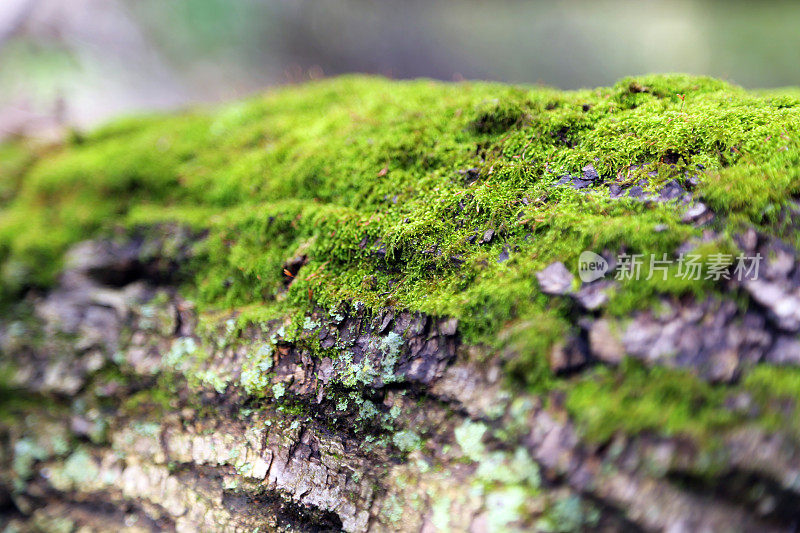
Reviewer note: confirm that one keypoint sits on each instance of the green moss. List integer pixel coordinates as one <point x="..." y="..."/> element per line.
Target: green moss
<point x="305" y="167"/>
<point x="365" y="178"/>
<point x="773" y="381"/>
<point x="637" y="399"/>
<point x="775" y="392"/>
<point x="157" y="400"/>
<point x="15" y="158"/>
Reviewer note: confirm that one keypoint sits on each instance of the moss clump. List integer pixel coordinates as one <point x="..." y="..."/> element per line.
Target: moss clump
<point x="775" y="393"/>
<point x="433" y="197"/>
<point x="636" y="399"/>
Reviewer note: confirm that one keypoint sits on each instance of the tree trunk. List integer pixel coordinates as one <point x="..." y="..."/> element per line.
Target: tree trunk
<point x="220" y="372"/>
<point x="110" y="433"/>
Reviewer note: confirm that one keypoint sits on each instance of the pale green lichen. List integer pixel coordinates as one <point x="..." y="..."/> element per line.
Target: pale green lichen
<point x="255" y="374"/>
<point x="182" y="348"/>
<point x="441" y="513"/>
<point x="310" y="324"/>
<point x="392" y="509"/>
<point x="516" y="468"/>
<point x="367" y="411"/>
<point x="390" y="346"/>
<point x="568" y="515"/>
<point x="213" y="379"/>
<point x="341" y="404"/>
<point x="505" y="507"/>
<point x="469" y="437"/>
<point x="146" y="429"/>
<point x="26" y="453"/>
<point x="406" y="440"/>
<point x="79" y="468"/>
<point x="278" y="390"/>
<point x="356" y="374"/>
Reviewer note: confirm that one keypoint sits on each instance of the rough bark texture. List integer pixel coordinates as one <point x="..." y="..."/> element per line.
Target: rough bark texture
<point x="105" y="453"/>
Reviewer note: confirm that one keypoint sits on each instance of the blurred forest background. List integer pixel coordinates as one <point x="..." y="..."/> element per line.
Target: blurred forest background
<point x="78" y="62"/>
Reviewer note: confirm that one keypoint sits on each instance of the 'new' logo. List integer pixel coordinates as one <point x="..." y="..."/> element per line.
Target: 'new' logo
<point x="591" y="266"/>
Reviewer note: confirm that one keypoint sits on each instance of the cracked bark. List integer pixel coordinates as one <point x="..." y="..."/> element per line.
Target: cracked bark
<point x="87" y="445"/>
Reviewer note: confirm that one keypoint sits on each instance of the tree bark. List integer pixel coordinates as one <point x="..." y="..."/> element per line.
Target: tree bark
<point x="126" y="410"/>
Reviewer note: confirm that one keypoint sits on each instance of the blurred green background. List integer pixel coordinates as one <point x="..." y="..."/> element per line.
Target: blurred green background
<point x="77" y="62"/>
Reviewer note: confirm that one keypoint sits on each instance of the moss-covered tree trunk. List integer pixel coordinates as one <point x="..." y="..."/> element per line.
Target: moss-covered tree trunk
<point x="352" y="306"/>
